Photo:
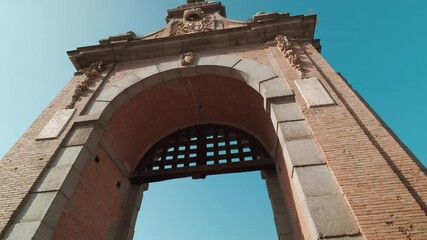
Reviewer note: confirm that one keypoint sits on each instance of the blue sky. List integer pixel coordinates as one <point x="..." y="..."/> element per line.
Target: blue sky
<point x="377" y="45"/>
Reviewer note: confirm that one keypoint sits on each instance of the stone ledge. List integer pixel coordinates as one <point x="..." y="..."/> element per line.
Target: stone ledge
<point x="303" y="152"/>
<point x="36" y="230"/>
<point x="315" y="181"/>
<point x="295" y="130"/>
<point x="62" y="179"/>
<point x="331" y="216"/>
<point x="46" y="207"/>
<point x="284" y="110"/>
<point x="301" y="27"/>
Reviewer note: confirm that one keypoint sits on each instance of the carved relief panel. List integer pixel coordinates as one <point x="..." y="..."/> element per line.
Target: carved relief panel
<point x="194" y="20"/>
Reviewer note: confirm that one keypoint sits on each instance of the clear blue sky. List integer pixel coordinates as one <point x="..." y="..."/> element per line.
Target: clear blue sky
<point x="377" y="45"/>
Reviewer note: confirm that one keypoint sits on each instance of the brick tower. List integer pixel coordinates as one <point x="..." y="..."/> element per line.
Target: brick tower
<point x="210" y="95"/>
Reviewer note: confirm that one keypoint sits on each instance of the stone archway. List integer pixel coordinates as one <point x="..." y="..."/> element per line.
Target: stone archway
<point x="102" y="151"/>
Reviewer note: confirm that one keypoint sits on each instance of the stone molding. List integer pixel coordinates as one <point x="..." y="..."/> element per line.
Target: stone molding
<point x="300" y="27"/>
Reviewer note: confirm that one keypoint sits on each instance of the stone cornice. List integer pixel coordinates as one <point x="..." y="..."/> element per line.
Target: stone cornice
<point x="298" y="27"/>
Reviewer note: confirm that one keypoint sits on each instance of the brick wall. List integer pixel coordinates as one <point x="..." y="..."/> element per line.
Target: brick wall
<point x="96" y="206"/>
<point x="376" y="175"/>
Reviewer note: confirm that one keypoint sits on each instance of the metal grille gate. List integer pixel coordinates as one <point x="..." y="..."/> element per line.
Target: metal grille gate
<point x="199" y="151"/>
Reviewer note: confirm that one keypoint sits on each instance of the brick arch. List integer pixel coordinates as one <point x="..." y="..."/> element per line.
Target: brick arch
<point x="97" y="198"/>
<point x="246" y="82"/>
<point x="273" y="107"/>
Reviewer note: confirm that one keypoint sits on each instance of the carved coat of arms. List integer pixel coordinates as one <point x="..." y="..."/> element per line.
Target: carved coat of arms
<point x="194" y="20"/>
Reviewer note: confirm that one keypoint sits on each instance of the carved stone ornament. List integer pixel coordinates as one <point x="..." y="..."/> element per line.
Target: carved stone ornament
<point x="193" y="21"/>
<point x="188" y="58"/>
<point x="285" y="47"/>
<point x="92" y="72"/>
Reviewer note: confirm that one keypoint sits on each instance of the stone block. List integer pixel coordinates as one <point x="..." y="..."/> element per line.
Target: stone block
<point x="56" y="124"/>
<point x="274" y="85"/>
<point x="256" y="35"/>
<point x="288" y="94"/>
<point x="221" y="41"/>
<point x="315" y="181"/>
<point x="331" y="216"/>
<point x="97" y="107"/>
<point x="146" y="72"/>
<point x="61" y="178"/>
<point x="76" y="156"/>
<point x="246" y="65"/>
<point x="358" y="237"/>
<point x="127" y="81"/>
<point x="238" y="39"/>
<point x="108" y="94"/>
<point x="206" y="60"/>
<point x="80" y="135"/>
<point x="304" y="152"/>
<point x="36" y="230"/>
<point x="313" y="92"/>
<point x="46" y="207"/>
<point x="296" y="130"/>
<point x="169" y="64"/>
<point x="227" y="61"/>
<point x="85" y="135"/>
<point x="131" y="84"/>
<point x="172" y="47"/>
<point x="239" y="76"/>
<point x="82" y="119"/>
<point x="282" y="110"/>
<point x="256" y="72"/>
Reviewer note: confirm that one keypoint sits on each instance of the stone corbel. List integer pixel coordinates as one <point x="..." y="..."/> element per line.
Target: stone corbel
<point x="92" y="72"/>
<point x="285" y="47"/>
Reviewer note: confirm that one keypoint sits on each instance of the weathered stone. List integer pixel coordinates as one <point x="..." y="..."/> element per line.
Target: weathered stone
<point x="97" y="107"/>
<point x="168" y="69"/>
<point x="313" y="92"/>
<point x="304" y="152"/>
<point x="296" y="130"/>
<point x="80" y="135"/>
<point x="274" y="85"/>
<point x="357" y="237"/>
<point x="316" y="181"/>
<point x="255" y="71"/>
<point x="110" y="93"/>
<point x="56" y="124"/>
<point x="331" y="216"/>
<point x="36" y="230"/>
<point x="76" y="156"/>
<point x="46" y="207"/>
<point x="282" y="110"/>
<point x="61" y="178"/>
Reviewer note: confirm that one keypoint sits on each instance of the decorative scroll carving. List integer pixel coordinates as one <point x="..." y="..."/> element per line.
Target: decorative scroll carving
<point x="92" y="72"/>
<point x="285" y="47"/>
<point x="194" y="20"/>
<point x="188" y="58"/>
